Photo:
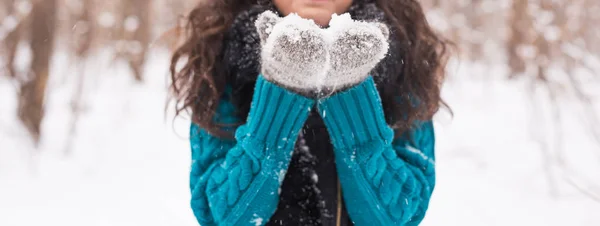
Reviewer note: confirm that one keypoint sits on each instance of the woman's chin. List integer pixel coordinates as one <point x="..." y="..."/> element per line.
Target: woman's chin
<point x="320" y="16"/>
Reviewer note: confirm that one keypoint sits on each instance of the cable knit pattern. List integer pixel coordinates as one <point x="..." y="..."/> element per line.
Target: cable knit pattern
<point x="229" y="179"/>
<point x="384" y="181"/>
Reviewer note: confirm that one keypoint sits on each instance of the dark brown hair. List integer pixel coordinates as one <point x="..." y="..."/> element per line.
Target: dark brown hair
<point x="411" y="94"/>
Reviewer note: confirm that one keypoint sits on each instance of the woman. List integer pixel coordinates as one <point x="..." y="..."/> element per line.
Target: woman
<point x="324" y="121"/>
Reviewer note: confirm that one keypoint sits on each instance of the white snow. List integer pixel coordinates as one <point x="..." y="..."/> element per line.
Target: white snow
<point x="281" y="175"/>
<point x="131" y="23"/>
<point x="292" y="20"/>
<point x="341" y="21"/>
<point x="307" y="66"/>
<point x="420" y="153"/>
<point x="106" y="20"/>
<point x="343" y="34"/>
<point x="258" y="221"/>
<point x="315" y="177"/>
<point x="490" y="166"/>
<point x="23" y="6"/>
<point x="9" y="23"/>
<point x="129" y="163"/>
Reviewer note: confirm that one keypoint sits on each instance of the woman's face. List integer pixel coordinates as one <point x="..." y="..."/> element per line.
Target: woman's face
<point x="318" y="10"/>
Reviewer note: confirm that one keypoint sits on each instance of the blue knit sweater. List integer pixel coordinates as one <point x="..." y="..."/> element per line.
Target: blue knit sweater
<point x="385" y="181"/>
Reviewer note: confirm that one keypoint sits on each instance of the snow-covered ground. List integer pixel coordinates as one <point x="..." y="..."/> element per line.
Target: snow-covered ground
<point x="128" y="162"/>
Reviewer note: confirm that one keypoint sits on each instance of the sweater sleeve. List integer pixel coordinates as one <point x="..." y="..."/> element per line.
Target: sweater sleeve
<point x="384" y="181"/>
<point x="236" y="182"/>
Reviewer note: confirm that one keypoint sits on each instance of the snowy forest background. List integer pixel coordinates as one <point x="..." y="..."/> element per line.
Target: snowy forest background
<point x="85" y="140"/>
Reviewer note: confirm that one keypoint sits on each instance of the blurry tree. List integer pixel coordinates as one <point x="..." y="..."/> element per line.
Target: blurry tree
<point x="552" y="44"/>
<point x="32" y="92"/>
<point x="81" y="42"/>
<point x="519" y="41"/>
<point x="547" y="45"/>
<point x="591" y="33"/>
<point x="171" y="36"/>
<point x="82" y="27"/>
<point x="474" y="26"/>
<point x="11" y="32"/>
<point x="135" y="34"/>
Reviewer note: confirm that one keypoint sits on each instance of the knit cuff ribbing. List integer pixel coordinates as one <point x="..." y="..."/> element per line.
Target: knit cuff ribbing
<point x="276" y="116"/>
<point x="355" y="117"/>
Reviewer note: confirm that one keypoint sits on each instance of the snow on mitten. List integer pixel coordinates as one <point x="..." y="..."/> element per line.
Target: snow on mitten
<point x="356" y="48"/>
<point x="294" y="52"/>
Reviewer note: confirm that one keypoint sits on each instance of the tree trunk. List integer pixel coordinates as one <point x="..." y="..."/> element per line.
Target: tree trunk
<point x="475" y="23"/>
<point x="12" y="39"/>
<point x="31" y="100"/>
<point x="137" y="12"/>
<point x="84" y="30"/>
<point x="520" y="25"/>
<point x="82" y="41"/>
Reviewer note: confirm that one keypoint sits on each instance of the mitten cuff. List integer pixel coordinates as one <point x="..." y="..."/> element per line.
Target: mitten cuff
<point x="355" y="117"/>
<point x="276" y="115"/>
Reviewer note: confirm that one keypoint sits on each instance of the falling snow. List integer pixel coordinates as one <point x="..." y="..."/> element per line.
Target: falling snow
<point x="281" y="175"/>
<point x="258" y="221"/>
<point x="465" y="155"/>
<point x="315" y="178"/>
